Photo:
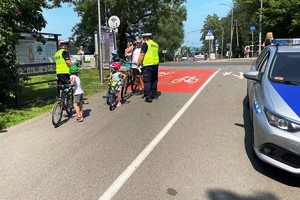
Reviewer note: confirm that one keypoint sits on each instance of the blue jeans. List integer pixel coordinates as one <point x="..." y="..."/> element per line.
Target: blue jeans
<point x="150" y="74"/>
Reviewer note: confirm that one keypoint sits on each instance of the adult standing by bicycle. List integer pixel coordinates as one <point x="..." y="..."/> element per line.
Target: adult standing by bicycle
<point x="137" y="72"/>
<point x="135" y="56"/>
<point x="63" y="63"/>
<point x="149" y="59"/>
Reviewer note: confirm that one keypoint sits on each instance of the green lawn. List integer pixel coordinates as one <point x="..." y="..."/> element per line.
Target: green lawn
<point x="38" y="99"/>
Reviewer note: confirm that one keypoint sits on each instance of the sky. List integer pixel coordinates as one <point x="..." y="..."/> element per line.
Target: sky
<point x="61" y="20"/>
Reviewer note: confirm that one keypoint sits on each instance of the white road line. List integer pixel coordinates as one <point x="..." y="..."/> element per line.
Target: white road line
<point x="120" y="181"/>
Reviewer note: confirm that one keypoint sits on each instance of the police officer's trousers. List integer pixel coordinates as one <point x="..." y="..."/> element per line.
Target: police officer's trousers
<point x="150" y="74"/>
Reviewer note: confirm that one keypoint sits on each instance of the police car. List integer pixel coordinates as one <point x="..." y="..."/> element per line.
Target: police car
<point x="273" y="90"/>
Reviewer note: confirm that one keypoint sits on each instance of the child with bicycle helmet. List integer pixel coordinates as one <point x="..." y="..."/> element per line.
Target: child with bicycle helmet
<point x="78" y="93"/>
<point x="116" y="78"/>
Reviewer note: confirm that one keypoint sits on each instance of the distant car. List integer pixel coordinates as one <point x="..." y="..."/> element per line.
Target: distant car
<point x="199" y="56"/>
<point x="273" y="90"/>
<point x="184" y="58"/>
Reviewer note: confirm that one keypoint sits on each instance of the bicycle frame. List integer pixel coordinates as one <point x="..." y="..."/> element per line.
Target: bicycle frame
<point x="63" y="102"/>
<point x="131" y="80"/>
<point x="111" y="98"/>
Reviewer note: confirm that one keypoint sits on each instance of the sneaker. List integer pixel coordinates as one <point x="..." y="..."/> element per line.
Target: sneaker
<point x="119" y="104"/>
<point x="78" y="119"/>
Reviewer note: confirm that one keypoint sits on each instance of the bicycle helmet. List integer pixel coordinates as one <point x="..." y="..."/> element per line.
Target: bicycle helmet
<point x="114" y="52"/>
<point x="74" y="69"/>
<point x="116" y="65"/>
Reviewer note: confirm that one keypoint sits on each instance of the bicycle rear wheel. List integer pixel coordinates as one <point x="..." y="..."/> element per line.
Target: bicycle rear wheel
<point x="57" y="113"/>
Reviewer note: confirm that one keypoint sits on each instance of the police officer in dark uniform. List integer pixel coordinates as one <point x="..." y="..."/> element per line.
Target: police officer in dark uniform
<point x="63" y="63"/>
<point x="149" y="59"/>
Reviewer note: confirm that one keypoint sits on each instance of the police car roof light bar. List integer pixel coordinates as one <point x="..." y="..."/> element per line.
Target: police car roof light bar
<point x="286" y="41"/>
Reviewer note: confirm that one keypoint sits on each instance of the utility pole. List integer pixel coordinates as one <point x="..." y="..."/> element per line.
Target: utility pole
<point x="231" y="29"/>
<point x="260" y="25"/>
<point x="222" y="42"/>
<point x="237" y="34"/>
<point x="99" y="45"/>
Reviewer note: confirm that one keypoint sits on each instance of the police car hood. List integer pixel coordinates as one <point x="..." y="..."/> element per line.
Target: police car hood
<point x="283" y="99"/>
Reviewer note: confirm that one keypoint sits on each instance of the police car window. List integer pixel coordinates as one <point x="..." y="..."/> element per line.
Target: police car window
<point x="285" y="68"/>
<point x="261" y="57"/>
<point x="262" y="65"/>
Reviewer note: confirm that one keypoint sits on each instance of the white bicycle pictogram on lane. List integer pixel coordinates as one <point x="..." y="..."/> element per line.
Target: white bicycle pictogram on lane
<point x="165" y="73"/>
<point x="187" y="79"/>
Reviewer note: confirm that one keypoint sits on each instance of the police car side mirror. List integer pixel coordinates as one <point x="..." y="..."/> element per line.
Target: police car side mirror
<point x="252" y="75"/>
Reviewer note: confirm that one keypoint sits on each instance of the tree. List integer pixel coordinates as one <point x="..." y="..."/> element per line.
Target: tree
<point x="278" y="16"/>
<point x="212" y="22"/>
<point x="164" y="18"/>
<point x="16" y="17"/>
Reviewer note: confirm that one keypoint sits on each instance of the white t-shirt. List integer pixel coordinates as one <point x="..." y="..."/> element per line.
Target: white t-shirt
<point x="135" y="56"/>
<point x="77" y="87"/>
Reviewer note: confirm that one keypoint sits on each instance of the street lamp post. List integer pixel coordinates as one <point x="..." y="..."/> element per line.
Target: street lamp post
<point x="231" y="28"/>
<point x="222" y="41"/>
<point x="260" y="25"/>
<point x="99" y="45"/>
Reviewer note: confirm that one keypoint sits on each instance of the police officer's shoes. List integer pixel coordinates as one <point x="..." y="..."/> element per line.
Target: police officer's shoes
<point x="148" y="100"/>
<point x="154" y="97"/>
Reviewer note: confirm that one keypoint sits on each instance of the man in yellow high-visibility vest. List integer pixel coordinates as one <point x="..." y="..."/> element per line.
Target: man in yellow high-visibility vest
<point x="63" y="63"/>
<point x="149" y="59"/>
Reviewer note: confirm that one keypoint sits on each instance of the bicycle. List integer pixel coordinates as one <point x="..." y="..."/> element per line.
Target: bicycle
<point x="63" y="102"/>
<point x="111" y="97"/>
<point x="133" y="80"/>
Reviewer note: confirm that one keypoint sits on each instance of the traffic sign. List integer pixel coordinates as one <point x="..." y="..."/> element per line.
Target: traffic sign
<point x="209" y="33"/>
<point x="252" y="28"/>
<point x="217" y="42"/>
<point x="113" y="22"/>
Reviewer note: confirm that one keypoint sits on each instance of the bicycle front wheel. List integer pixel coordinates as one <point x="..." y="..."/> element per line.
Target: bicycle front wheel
<point x="57" y="113"/>
<point x="112" y="101"/>
<point x="69" y="104"/>
<point x="125" y="86"/>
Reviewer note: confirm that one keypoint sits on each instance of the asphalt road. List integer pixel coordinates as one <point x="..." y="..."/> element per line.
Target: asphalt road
<point x="185" y="146"/>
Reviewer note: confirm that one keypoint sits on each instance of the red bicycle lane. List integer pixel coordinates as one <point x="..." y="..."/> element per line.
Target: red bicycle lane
<point x="182" y="80"/>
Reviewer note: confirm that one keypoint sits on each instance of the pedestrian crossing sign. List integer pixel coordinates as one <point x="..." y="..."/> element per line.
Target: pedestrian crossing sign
<point x="209" y="33"/>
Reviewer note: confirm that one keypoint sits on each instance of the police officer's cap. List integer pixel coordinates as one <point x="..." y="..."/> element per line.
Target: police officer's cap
<point x="147" y="35"/>
<point x="64" y="42"/>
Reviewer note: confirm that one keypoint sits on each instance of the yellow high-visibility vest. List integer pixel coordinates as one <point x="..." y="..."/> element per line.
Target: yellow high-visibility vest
<point x="61" y="65"/>
<point x="151" y="56"/>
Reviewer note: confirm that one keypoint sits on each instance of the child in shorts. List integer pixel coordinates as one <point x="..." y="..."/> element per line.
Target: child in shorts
<point x="78" y="93"/>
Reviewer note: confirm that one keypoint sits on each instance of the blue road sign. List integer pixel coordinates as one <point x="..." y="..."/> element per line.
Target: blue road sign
<point x="209" y="33"/>
<point x="216" y="41"/>
<point x="252" y="28"/>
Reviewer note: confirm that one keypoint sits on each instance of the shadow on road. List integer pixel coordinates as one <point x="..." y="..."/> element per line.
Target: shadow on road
<point x="219" y="194"/>
<point x="260" y="166"/>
